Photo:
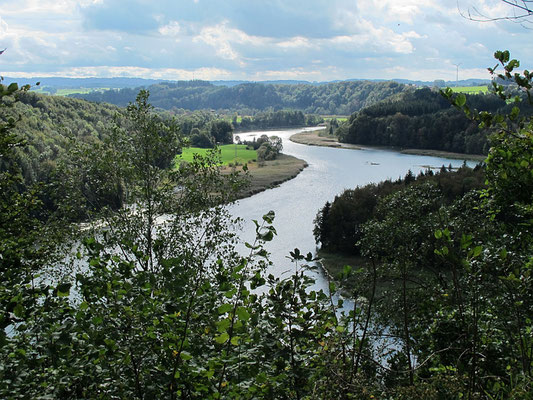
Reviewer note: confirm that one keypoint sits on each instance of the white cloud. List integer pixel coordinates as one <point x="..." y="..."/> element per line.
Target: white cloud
<point x="295" y="74"/>
<point x="375" y="39"/>
<point x="131" y="71"/>
<point x="295" y="42"/>
<point x="223" y="39"/>
<point x="326" y="40"/>
<point x="171" y="29"/>
<point x="430" y="74"/>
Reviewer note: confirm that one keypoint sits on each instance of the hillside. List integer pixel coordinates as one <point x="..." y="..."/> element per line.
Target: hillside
<point x="422" y="119"/>
<point x="332" y="98"/>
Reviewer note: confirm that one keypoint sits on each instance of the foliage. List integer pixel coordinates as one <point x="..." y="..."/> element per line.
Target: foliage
<point x="451" y="280"/>
<point x="338" y="225"/>
<point x="423" y="120"/>
<point x="157" y="301"/>
<point x="340" y="98"/>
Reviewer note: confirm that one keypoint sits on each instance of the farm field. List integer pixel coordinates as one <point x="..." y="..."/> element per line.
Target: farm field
<point x="339" y="118"/>
<point x="66" y="92"/>
<point x="470" y="89"/>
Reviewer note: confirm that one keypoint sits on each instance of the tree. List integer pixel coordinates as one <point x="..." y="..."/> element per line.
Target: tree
<point x="222" y="132"/>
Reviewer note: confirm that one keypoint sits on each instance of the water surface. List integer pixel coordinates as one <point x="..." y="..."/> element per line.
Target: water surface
<point x="330" y="171"/>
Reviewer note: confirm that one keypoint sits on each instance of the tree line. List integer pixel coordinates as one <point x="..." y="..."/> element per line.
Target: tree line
<point x="422" y="119"/>
<point x="340" y="98"/>
<point x="339" y="224"/>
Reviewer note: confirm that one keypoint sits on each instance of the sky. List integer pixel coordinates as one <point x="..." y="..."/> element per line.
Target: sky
<point x="257" y="40"/>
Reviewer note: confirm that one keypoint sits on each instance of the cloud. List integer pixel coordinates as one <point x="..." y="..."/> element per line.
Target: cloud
<point x="247" y="39"/>
<point x="296" y="42"/>
<point x="4" y="27"/>
<point x="171" y="29"/>
<point x="223" y="39"/>
<point x="133" y="17"/>
<point x="131" y="71"/>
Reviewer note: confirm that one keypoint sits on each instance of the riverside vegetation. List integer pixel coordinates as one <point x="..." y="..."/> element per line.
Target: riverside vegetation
<point x="157" y="303"/>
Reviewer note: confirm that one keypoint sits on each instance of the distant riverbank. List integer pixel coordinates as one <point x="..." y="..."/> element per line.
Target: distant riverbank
<point x="313" y="139"/>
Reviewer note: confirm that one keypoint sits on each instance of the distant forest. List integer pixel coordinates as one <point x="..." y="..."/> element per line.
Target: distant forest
<point x="422" y="119"/>
<point x="339" y="98"/>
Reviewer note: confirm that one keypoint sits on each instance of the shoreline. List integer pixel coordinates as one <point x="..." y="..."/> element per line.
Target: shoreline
<point x="313" y="139"/>
<point x="272" y="174"/>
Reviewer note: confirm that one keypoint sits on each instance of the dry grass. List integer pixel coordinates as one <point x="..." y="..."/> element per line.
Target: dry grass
<point x="271" y="174"/>
<point x="314" y="139"/>
<point x="445" y="154"/>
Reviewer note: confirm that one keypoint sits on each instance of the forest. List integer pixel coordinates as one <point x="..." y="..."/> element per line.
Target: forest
<point x="339" y="98"/>
<point x="339" y="224"/>
<point x="151" y="297"/>
<point x="422" y="119"/>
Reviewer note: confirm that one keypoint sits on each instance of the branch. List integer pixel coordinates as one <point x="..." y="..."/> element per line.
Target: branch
<point x="522" y="10"/>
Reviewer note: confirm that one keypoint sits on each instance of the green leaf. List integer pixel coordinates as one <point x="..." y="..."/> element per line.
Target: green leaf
<point x="243" y="313"/>
<point x="477" y="251"/>
<point x="224" y="308"/>
<point x="223" y="325"/>
<point x="18" y="310"/>
<point x="235" y="340"/>
<point x="460" y="100"/>
<point x="185" y="356"/>
<point x="223" y="338"/>
<point x="63" y="289"/>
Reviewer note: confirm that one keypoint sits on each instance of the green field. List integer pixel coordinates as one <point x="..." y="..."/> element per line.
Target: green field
<point x="470" y="89"/>
<point x="227" y="153"/>
<point x="339" y="118"/>
<point x="66" y="92"/>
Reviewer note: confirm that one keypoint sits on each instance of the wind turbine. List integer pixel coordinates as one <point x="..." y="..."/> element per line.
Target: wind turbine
<point x="457" y="74"/>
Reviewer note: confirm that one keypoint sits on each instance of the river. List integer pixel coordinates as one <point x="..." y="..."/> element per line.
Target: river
<point x="330" y="171"/>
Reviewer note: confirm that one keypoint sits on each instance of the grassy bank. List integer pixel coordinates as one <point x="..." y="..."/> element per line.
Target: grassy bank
<point x="271" y="174"/>
<point x="318" y="138"/>
<point x="445" y="154"/>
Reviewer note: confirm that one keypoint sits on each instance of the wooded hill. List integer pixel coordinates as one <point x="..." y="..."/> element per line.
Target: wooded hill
<point x="51" y="124"/>
<point x="334" y="98"/>
<point x="421" y="119"/>
<point x="339" y="225"/>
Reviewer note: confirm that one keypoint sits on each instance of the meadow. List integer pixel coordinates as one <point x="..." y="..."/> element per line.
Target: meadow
<point x="229" y="153"/>
<point x="471" y="89"/>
